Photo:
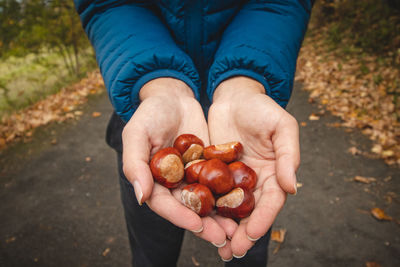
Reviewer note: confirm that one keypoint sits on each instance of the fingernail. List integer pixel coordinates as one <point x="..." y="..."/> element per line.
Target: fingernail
<point x="198" y="231"/>
<point x="252" y="239"/>
<point x="295" y="188"/>
<point x="138" y="192"/>
<point x="220" y="245"/>
<point x="228" y="260"/>
<point x="239" y="257"/>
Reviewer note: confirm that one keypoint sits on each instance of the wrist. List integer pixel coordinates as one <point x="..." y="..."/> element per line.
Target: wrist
<point x="238" y="86"/>
<point x="170" y="87"/>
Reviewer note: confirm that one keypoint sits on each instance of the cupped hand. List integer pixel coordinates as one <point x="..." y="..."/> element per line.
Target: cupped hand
<point x="167" y="110"/>
<point x="241" y="111"/>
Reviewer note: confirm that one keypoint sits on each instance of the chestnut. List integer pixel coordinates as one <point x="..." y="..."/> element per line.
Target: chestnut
<point x="199" y="198"/>
<point x="190" y="147"/>
<point x="227" y="152"/>
<point x="243" y="175"/>
<point x="237" y="204"/>
<point x="192" y="170"/>
<point x="215" y="175"/>
<point x="167" y="167"/>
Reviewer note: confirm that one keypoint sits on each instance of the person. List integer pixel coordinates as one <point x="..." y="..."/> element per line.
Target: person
<point x="169" y="65"/>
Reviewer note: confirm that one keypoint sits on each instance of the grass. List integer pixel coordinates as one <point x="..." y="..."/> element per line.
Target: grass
<point x="25" y="80"/>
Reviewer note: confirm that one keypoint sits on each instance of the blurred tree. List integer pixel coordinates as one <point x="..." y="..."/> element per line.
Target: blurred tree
<point x="29" y="26"/>
<point x="373" y="25"/>
<point x="10" y="16"/>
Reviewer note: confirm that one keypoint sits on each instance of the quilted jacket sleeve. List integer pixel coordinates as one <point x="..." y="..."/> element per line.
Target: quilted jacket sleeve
<point x="132" y="47"/>
<point x="262" y="42"/>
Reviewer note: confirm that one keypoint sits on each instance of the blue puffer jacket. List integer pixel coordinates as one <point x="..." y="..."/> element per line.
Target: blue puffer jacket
<point x="199" y="42"/>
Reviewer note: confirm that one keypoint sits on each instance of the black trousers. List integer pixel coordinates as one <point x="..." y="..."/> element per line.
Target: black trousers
<point x="154" y="241"/>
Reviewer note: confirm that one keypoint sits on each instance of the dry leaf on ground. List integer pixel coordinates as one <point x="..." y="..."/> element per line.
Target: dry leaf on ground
<point x="105" y="252"/>
<point x="372" y="264"/>
<point x="313" y="117"/>
<point x="195" y="262"/>
<point x="11" y="239"/>
<point x="380" y="214"/>
<point x="354" y="151"/>
<point x="96" y="114"/>
<point x="278" y="235"/>
<point x="364" y="180"/>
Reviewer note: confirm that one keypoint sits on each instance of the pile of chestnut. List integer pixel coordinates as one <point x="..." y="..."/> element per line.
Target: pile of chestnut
<point x="212" y="172"/>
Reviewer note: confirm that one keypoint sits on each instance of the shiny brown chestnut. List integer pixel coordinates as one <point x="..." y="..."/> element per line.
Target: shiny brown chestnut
<point x="190" y="146"/>
<point x="243" y="175"/>
<point x="237" y="204"/>
<point x="192" y="170"/>
<point x="199" y="198"/>
<point x="167" y="167"/>
<point x="215" y="175"/>
<point x="227" y="152"/>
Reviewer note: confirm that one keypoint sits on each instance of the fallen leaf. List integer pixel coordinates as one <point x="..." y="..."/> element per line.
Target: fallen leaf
<point x="299" y="185"/>
<point x="303" y="123"/>
<point x="105" y="252"/>
<point x="380" y="214"/>
<point x="335" y="124"/>
<point x="78" y="113"/>
<point x="278" y="235"/>
<point x="195" y="262"/>
<point x="53" y="141"/>
<point x="365" y="180"/>
<point x="88" y="159"/>
<point x="313" y="117"/>
<point x="372" y="264"/>
<point x="96" y="114"/>
<point x="376" y="149"/>
<point x="10" y="239"/>
<point x="387" y="153"/>
<point x="354" y="151"/>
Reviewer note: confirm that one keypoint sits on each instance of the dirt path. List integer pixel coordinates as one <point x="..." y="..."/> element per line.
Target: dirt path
<point x="60" y="202"/>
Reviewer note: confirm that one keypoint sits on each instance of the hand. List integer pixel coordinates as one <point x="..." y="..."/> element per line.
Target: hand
<point x="168" y="109"/>
<point x="242" y="112"/>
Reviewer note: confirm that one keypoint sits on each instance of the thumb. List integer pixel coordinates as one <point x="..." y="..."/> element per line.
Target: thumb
<point x="135" y="158"/>
<point x="287" y="153"/>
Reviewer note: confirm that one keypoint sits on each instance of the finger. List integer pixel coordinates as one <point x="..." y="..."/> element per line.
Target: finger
<point x="267" y="208"/>
<point x="225" y="252"/>
<point x="227" y="224"/>
<point x="166" y="205"/>
<point x="287" y="153"/>
<point x="135" y="158"/>
<point x="240" y="244"/>
<point x="212" y="232"/>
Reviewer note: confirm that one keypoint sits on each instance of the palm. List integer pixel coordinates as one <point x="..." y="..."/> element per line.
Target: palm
<point x="155" y="125"/>
<point x="253" y="122"/>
